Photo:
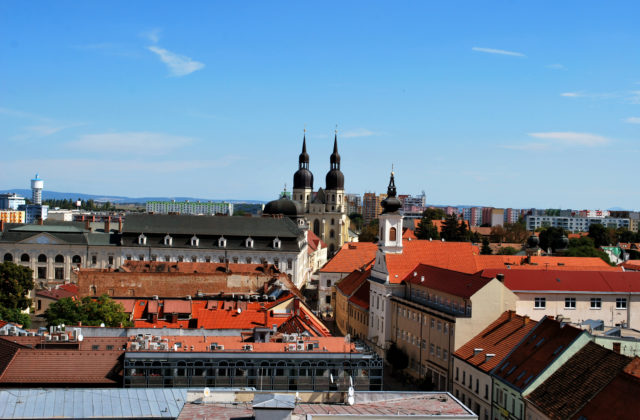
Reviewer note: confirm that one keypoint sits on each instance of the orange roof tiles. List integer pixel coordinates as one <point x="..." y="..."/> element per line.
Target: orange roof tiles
<point x="452" y="282"/>
<point x="351" y="256"/>
<point x="314" y="242"/>
<point x="60" y="292"/>
<point x="408" y="234"/>
<point x="191" y="267"/>
<point x="353" y="281"/>
<point x="499" y="338"/>
<point x="361" y="296"/>
<point x="177" y="306"/>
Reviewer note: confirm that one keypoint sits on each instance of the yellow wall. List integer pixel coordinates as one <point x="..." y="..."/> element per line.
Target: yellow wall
<point x="12" y="216"/>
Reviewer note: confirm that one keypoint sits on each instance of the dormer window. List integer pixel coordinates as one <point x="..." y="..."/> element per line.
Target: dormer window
<point x="222" y="242"/>
<point x="168" y="240"/>
<point x="142" y="240"/>
<point x="277" y="243"/>
<point x="248" y="242"/>
<point x="195" y="241"/>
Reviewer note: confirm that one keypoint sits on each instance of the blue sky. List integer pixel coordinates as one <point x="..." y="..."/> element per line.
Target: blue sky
<point x="508" y="104"/>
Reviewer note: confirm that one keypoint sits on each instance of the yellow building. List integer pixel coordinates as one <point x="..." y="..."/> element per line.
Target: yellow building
<point x="12" y="216"/>
<point x="352" y="304"/>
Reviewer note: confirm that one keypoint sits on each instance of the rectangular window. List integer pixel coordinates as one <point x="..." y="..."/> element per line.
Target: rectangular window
<point x="569" y="303"/>
<point x="59" y="273"/>
<point x="540" y="303"/>
<point x="486" y="392"/>
<point x="42" y="272"/>
<point x="596" y="303"/>
<point x="94" y="259"/>
<point x="289" y="264"/>
<point x="432" y="350"/>
<point x="110" y="259"/>
<point x="621" y="303"/>
<point x="457" y="373"/>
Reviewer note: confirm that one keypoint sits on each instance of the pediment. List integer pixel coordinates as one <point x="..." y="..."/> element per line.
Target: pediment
<point x="43" y="238"/>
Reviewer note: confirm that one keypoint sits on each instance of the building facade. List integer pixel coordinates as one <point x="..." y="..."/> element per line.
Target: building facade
<point x="11" y="201"/>
<point x="573" y="223"/>
<point x="190" y="207"/>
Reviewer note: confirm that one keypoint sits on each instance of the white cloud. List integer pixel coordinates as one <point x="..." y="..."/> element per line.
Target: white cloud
<point x="635" y="97"/>
<point x="496" y="51"/>
<point x="571" y="94"/>
<point x="152" y="35"/>
<point x="633" y="120"/>
<point x="556" y="66"/>
<point x="179" y="65"/>
<point x="570" y="138"/>
<point x="139" y="143"/>
<point x="358" y="132"/>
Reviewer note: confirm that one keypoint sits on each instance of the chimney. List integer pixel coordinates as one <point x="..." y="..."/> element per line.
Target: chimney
<point x="40" y="221"/>
<point x="526" y="319"/>
<point x="120" y="224"/>
<point x="107" y="224"/>
<point x="488" y="357"/>
<point x="87" y="225"/>
<point x="500" y="277"/>
<point x="1" y="225"/>
<point x="477" y="351"/>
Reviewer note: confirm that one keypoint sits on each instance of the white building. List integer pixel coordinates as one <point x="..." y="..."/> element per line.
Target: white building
<point x="573" y="224"/>
<point x="11" y="201"/>
<point x="189" y="207"/>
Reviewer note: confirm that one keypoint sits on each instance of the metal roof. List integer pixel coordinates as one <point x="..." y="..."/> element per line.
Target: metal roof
<point x="147" y="403"/>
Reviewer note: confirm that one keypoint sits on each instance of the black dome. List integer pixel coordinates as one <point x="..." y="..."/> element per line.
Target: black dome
<point x="391" y="204"/>
<point x="303" y="178"/>
<point x="283" y="206"/>
<point x="533" y="241"/>
<point x="335" y="180"/>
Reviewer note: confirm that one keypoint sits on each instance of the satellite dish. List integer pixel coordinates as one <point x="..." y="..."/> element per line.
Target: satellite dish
<point x="80" y="337"/>
<point x="206" y="392"/>
<point x="351" y="392"/>
<point x="351" y="400"/>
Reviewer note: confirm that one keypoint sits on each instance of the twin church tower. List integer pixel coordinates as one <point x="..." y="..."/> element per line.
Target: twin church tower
<point x="326" y="209"/>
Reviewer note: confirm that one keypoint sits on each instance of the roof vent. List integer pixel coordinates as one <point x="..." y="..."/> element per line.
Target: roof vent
<point x="488" y="357"/>
<point x="477" y="351"/>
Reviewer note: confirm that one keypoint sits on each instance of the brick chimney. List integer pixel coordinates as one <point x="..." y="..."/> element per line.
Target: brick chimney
<point x="120" y="224"/>
<point x="1" y="225"/>
<point x="526" y="319"/>
<point x="40" y="221"/>
<point x="107" y="224"/>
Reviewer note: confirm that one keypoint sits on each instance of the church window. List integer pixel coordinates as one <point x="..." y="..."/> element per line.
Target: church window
<point x="24" y="258"/>
<point x="42" y="258"/>
<point x="333" y="222"/>
<point x="277" y="243"/>
<point x="392" y="234"/>
<point x="331" y="233"/>
<point x="222" y="242"/>
<point x="316" y="227"/>
<point x="195" y="241"/>
<point x="248" y="242"/>
<point x="59" y="258"/>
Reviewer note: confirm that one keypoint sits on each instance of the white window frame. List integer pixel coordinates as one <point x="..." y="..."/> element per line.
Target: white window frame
<point x="621" y="303"/>
<point x="168" y="240"/>
<point x="277" y="243"/>
<point x="248" y="243"/>
<point x="142" y="240"/>
<point x="596" y="303"/>
<point x="569" y="303"/>
<point x="195" y="241"/>
<point x="539" y="303"/>
<point x="222" y="242"/>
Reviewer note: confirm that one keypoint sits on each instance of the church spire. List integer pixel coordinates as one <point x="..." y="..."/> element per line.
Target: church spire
<point x="303" y="160"/>
<point x="391" y="204"/>
<point x="335" y="156"/>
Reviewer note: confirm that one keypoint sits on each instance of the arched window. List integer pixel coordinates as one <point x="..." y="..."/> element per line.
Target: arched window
<point x="59" y="259"/>
<point x="195" y="241"/>
<point x="248" y="242"/>
<point x="316" y="227"/>
<point x="392" y="234"/>
<point x="8" y="257"/>
<point x="76" y="259"/>
<point x="331" y="233"/>
<point x="42" y="258"/>
<point x="168" y="240"/>
<point x="277" y="243"/>
<point x="222" y="242"/>
<point x="142" y="240"/>
<point x="25" y="258"/>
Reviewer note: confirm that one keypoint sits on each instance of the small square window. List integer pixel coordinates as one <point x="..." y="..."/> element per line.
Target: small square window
<point x="596" y="303"/>
<point x="570" y="303"/>
<point x="540" y="303"/>
<point x="621" y="303"/>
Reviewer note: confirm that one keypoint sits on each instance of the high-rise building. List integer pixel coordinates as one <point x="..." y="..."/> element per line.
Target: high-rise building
<point x="371" y="206"/>
<point x="354" y="203"/>
<point x="11" y="201"/>
<point x="190" y="207"/>
<point x="473" y="215"/>
<point x="37" y="185"/>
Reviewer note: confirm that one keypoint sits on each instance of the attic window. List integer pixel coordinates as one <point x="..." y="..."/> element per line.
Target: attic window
<point x="248" y="242"/>
<point x="277" y="243"/>
<point x="168" y="240"/>
<point x="222" y="242"/>
<point x="142" y="240"/>
<point x="195" y="241"/>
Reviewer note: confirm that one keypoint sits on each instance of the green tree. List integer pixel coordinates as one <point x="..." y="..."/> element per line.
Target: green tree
<point x="599" y="234"/>
<point x="486" y="249"/>
<point x="585" y="247"/>
<point x="433" y="213"/>
<point x="507" y="250"/>
<point x="357" y="220"/>
<point x="426" y="230"/>
<point x="450" y="229"/>
<point x="551" y="237"/>
<point x="88" y="310"/>
<point x="497" y="234"/>
<point x="370" y="232"/>
<point x="515" y="232"/>
<point x="15" y="283"/>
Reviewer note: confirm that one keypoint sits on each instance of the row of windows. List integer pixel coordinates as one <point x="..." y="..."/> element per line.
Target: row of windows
<point x="570" y="303"/>
<point x="434" y="350"/>
<point x="208" y="259"/>
<point x="222" y="241"/>
<point x="428" y="297"/>
<point x="59" y="259"/>
<point x="468" y="401"/>
<point x="415" y="316"/>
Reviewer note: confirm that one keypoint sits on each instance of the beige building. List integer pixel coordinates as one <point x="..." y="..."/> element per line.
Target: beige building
<point x="351" y="316"/>
<point x="439" y="312"/>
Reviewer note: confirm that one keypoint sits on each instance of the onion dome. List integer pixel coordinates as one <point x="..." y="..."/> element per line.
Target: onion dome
<point x="391" y="204"/>
<point x="303" y="178"/>
<point x="533" y="241"/>
<point x="335" y="177"/>
<point x="283" y="205"/>
<point x="564" y="241"/>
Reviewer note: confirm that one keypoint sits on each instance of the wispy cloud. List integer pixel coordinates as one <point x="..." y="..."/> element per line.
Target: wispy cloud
<point x="152" y="35"/>
<point x="139" y="143"/>
<point x="633" y="120"/>
<point x="556" y="66"/>
<point x="21" y="114"/>
<point x="358" y="132"/>
<point x="179" y="65"/>
<point x="571" y="138"/>
<point x="634" y="97"/>
<point x="497" y="51"/>
<point x="572" y="94"/>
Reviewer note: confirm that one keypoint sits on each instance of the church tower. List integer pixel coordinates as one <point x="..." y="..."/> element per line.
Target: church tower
<point x="334" y="190"/>
<point x="303" y="179"/>
<point x="390" y="231"/>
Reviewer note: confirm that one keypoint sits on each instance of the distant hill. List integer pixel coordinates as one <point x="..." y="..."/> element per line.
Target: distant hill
<point x="54" y="195"/>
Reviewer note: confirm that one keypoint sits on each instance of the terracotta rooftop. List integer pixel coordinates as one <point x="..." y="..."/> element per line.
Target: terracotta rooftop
<point x="197" y="267"/>
<point x="544" y="343"/>
<point x="408" y="234"/>
<point x="361" y="296"/>
<point x="499" y="338"/>
<point x="62" y="291"/>
<point x="593" y="367"/>
<point x="517" y="279"/>
<point x="314" y="242"/>
<point x="351" y="256"/>
<point x="452" y="282"/>
<point x="618" y="400"/>
<point x="348" y="285"/>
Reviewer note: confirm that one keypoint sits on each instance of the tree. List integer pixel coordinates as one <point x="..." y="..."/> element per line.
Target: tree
<point x="450" y="229"/>
<point x="551" y="237"/>
<point x="507" y="250"/>
<point x="426" y="230"/>
<point x="515" y="232"/>
<point x="433" y="214"/>
<point x="15" y="283"/>
<point x="370" y="232"/>
<point x="486" y="249"/>
<point x="599" y="234"/>
<point x="497" y="234"/>
<point x="357" y="220"/>
<point x="88" y="310"/>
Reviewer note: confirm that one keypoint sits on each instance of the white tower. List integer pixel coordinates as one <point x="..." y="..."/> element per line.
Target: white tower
<point x="390" y="233"/>
<point x="36" y="190"/>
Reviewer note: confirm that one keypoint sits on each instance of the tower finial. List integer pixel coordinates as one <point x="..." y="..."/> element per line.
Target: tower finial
<point x="392" y="170"/>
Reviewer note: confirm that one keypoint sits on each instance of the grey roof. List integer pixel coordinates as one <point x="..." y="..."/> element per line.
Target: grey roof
<point x="319" y="198"/>
<point x="274" y="401"/>
<point x="211" y="225"/>
<point x="84" y="403"/>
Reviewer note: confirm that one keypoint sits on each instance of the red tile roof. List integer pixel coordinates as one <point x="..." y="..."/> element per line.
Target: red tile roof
<point x="592" y="367"/>
<point x="361" y="296"/>
<point x="499" y="338"/>
<point x="62" y="291"/>
<point x="631" y="265"/>
<point x="408" y="234"/>
<point x="191" y="267"/>
<point x="348" y="285"/>
<point x="351" y="256"/>
<point x="544" y="344"/>
<point x="618" y="400"/>
<point x="314" y="242"/>
<point x="517" y="279"/>
<point x="448" y="281"/>
<point x="177" y="306"/>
